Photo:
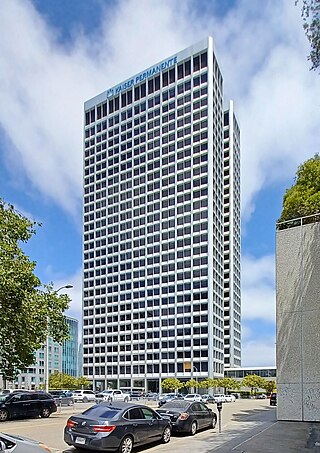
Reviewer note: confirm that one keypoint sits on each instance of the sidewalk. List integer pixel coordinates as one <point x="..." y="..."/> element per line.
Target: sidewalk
<point x="283" y="437"/>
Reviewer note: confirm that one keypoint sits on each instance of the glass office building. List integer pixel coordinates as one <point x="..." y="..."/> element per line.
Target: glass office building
<point x="70" y="349"/>
<point x="154" y="225"/>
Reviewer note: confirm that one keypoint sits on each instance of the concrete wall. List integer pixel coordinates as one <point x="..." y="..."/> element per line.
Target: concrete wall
<point x="298" y="322"/>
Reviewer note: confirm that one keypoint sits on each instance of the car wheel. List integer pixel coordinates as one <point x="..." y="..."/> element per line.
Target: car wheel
<point x="193" y="428"/>
<point x="166" y="435"/>
<point x="85" y="399"/>
<point x="126" y="445"/>
<point x="3" y="415"/>
<point x="45" y="413"/>
<point x="213" y="422"/>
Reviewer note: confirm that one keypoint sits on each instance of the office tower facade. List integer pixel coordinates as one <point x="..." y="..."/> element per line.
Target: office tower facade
<point x="70" y="349"/>
<point x="232" y="238"/>
<point x="34" y="377"/>
<point x="153" y="300"/>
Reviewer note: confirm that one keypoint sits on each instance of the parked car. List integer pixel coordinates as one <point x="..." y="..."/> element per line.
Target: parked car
<point x="62" y="397"/>
<point x="116" y="426"/>
<point x="230" y="398"/>
<point x="26" y="404"/>
<point x="219" y="398"/>
<point x="18" y="444"/>
<point x="206" y="398"/>
<point x="83" y="396"/>
<point x="112" y="395"/>
<point x="193" y="397"/>
<point x="152" y="396"/>
<point x="273" y="399"/>
<point x="165" y="397"/>
<point x="135" y="395"/>
<point x="261" y="396"/>
<point x="188" y="416"/>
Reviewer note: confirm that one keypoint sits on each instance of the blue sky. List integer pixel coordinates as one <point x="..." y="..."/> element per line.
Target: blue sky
<point x="57" y="54"/>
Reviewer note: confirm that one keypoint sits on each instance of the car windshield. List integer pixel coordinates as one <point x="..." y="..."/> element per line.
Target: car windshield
<point x="177" y="404"/>
<point x="101" y="411"/>
<point x="4" y="397"/>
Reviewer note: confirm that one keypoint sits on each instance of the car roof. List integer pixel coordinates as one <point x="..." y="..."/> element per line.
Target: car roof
<point x="122" y="405"/>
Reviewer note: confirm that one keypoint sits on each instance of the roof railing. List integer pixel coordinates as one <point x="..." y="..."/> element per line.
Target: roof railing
<point x="298" y="222"/>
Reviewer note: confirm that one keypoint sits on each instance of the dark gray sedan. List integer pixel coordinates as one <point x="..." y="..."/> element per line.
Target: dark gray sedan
<point x="188" y="416"/>
<point x="116" y="426"/>
<point x="62" y="397"/>
<point x="18" y="444"/>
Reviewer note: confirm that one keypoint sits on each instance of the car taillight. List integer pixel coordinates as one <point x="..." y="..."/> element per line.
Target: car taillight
<point x="183" y="416"/>
<point x="104" y="428"/>
<point x="71" y="423"/>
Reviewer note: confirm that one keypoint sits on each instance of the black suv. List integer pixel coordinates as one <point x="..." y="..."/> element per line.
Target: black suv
<point x="26" y="404"/>
<point x="273" y="399"/>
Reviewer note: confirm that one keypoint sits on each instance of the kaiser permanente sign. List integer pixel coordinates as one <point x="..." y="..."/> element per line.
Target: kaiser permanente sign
<point x="147" y="73"/>
<point x="142" y="76"/>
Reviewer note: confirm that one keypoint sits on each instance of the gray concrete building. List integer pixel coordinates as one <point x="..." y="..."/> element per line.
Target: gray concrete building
<point x="298" y="319"/>
<point x="161" y="226"/>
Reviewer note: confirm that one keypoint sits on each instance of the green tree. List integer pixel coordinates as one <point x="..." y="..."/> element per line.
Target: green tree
<point x="210" y="383"/>
<point x="310" y="13"/>
<point x="269" y="386"/>
<point x="171" y="384"/>
<point x="254" y="382"/>
<point x="193" y="383"/>
<point x="229" y="384"/>
<point x="27" y="313"/>
<point x="82" y="382"/>
<point x="62" y="381"/>
<point x="303" y="198"/>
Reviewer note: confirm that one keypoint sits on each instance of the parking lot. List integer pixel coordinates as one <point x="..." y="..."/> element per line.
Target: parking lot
<point x="237" y="419"/>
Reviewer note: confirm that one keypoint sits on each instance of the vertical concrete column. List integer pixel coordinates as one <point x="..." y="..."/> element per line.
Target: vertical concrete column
<point x="298" y="322"/>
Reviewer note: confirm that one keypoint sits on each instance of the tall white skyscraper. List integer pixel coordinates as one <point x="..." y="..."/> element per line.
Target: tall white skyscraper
<point x="155" y="226"/>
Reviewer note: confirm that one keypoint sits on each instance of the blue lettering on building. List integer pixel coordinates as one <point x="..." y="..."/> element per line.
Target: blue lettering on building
<point x="142" y="76"/>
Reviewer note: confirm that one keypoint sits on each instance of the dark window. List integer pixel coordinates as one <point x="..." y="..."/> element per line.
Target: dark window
<point x="196" y="63"/>
<point x="203" y="60"/>
<point x="165" y="79"/>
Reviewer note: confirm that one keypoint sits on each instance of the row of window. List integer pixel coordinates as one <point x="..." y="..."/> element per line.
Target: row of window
<point x="114" y="370"/>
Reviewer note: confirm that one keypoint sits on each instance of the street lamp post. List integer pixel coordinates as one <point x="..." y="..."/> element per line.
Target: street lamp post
<point x="195" y="368"/>
<point x="46" y="360"/>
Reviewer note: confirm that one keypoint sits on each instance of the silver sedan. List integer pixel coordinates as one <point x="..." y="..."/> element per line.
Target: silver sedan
<point x="18" y="444"/>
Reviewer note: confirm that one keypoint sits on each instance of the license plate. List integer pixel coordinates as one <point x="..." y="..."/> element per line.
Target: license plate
<point x="80" y="440"/>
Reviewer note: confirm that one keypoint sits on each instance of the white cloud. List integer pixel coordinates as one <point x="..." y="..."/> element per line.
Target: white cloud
<point x="258" y="288"/>
<point x="259" y="353"/>
<point x="261" y="48"/>
<point x="75" y="293"/>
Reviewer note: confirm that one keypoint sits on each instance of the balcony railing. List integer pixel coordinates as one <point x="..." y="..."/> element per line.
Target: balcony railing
<point x="314" y="218"/>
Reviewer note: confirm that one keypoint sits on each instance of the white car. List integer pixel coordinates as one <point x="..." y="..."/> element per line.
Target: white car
<point x="112" y="395"/>
<point x="193" y="397"/>
<point x="219" y="398"/>
<point x="83" y="396"/>
<point x="230" y="398"/>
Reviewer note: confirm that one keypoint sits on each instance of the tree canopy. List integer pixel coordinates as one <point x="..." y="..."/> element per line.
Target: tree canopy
<point x="171" y="384"/>
<point x="65" y="381"/>
<point x="303" y="198"/>
<point x="29" y="311"/>
<point x="253" y="381"/>
<point x="310" y="13"/>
